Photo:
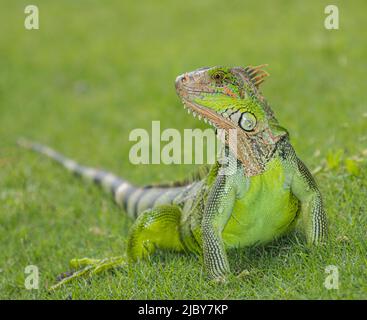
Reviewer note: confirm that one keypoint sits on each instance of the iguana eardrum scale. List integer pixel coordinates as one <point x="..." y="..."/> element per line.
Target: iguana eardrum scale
<point x="268" y="191"/>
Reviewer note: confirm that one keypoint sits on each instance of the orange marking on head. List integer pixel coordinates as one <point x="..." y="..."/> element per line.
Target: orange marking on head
<point x="229" y="92"/>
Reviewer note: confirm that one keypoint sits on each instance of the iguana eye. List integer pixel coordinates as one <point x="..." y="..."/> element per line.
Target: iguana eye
<point x="218" y="76"/>
<point x="247" y="121"/>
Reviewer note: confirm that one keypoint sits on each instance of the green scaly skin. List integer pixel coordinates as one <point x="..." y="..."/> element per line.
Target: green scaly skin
<point x="261" y="193"/>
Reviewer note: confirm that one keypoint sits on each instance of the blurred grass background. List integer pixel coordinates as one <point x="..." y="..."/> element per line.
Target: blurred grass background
<point x="96" y="70"/>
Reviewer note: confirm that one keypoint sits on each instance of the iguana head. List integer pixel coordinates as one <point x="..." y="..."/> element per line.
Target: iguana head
<point x="229" y="98"/>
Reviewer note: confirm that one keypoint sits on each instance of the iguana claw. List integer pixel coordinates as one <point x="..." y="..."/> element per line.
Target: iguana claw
<point x="91" y="267"/>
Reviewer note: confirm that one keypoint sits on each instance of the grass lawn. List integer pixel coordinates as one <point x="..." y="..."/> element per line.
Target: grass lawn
<point x="96" y="70"/>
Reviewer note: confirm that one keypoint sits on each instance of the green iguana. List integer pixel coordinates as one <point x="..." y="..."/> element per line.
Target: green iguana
<point x="267" y="190"/>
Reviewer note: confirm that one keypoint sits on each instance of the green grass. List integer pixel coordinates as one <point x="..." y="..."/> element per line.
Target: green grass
<point x="96" y="70"/>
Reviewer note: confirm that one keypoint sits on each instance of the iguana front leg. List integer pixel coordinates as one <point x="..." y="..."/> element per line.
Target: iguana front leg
<point x="313" y="216"/>
<point x="217" y="211"/>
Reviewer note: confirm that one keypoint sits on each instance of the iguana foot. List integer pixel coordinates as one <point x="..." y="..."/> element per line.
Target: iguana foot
<point x="89" y="267"/>
<point x="243" y="274"/>
<point x="219" y="280"/>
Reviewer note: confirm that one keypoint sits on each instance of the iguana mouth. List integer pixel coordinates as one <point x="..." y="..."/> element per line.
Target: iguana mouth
<point x="208" y="116"/>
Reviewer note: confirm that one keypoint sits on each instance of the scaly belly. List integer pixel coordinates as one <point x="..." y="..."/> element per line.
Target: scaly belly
<point x="266" y="211"/>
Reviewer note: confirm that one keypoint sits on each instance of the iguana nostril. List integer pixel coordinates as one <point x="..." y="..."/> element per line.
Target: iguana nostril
<point x="181" y="79"/>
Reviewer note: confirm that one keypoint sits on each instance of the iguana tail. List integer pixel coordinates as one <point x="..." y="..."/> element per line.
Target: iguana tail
<point x="133" y="199"/>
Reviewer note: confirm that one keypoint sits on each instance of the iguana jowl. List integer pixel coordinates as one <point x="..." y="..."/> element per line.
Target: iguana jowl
<point x="268" y="191"/>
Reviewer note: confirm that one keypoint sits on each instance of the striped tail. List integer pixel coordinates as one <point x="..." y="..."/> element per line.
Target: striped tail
<point x="133" y="199"/>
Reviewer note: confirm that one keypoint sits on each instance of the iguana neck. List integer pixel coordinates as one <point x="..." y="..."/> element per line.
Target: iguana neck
<point x="254" y="151"/>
